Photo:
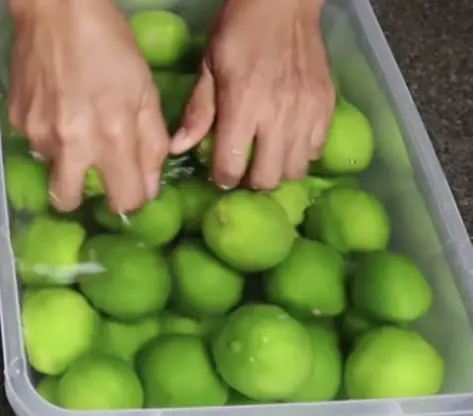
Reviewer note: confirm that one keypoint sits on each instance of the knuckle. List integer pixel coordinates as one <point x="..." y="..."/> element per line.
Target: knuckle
<point x="70" y="130"/>
<point x="37" y="129"/>
<point x="116" y="128"/>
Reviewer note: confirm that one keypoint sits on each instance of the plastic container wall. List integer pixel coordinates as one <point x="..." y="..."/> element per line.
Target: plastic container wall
<point x="405" y="174"/>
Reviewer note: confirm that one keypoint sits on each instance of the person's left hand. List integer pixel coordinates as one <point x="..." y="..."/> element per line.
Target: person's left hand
<point x="264" y="78"/>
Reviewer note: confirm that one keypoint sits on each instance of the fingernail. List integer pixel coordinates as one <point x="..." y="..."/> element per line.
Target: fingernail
<point x="152" y="185"/>
<point x="53" y="197"/>
<point x="180" y="136"/>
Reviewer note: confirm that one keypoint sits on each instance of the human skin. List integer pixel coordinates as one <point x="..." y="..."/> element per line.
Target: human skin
<point x="83" y="95"/>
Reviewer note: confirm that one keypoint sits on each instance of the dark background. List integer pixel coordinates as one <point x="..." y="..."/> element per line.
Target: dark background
<point x="432" y="41"/>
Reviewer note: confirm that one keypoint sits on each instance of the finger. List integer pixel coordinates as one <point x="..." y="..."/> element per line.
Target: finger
<point x="153" y="144"/>
<point x="198" y="116"/>
<point x="268" y="157"/>
<point x="296" y="160"/>
<point x="67" y="179"/>
<point x="235" y="129"/>
<point x="322" y="125"/>
<point x="118" y="164"/>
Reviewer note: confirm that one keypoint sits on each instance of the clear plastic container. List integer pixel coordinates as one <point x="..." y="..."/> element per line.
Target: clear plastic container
<point x="406" y="175"/>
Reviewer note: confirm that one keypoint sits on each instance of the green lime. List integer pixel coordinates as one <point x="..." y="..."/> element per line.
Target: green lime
<point x="100" y="382"/>
<point x="177" y="371"/>
<point x="125" y="339"/>
<point x="177" y="324"/>
<point x="390" y="362"/>
<point x="249" y="231"/>
<point x="197" y="197"/>
<point x="310" y="279"/>
<point x="47" y="388"/>
<point x="128" y="281"/>
<point x="27" y="184"/>
<point x="161" y="35"/>
<point x="47" y="251"/>
<point x="203" y="151"/>
<point x="58" y="327"/>
<point x="237" y="399"/>
<point x="355" y="322"/>
<point x="93" y="184"/>
<point x="390" y="287"/>
<point x="263" y="353"/>
<point x="348" y="219"/>
<point x="174" y="324"/>
<point x="174" y="89"/>
<point x="202" y="284"/>
<point x="294" y="198"/>
<point x="316" y="185"/>
<point x="325" y="378"/>
<point x="155" y="223"/>
<point x="349" y="144"/>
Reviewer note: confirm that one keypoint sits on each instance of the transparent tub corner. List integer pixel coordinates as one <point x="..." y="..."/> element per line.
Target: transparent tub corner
<point x="405" y="175"/>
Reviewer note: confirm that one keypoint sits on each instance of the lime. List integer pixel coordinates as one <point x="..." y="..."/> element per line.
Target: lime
<point x="355" y="322"/>
<point x="177" y="371"/>
<point x="203" y="151"/>
<point x="100" y="382"/>
<point x="174" y="89"/>
<point x="310" y="279"/>
<point x="197" y="197"/>
<point x="237" y="399"/>
<point x="93" y="184"/>
<point x="202" y="284"/>
<point x="390" y="287"/>
<point x="249" y="231"/>
<point x="27" y="184"/>
<point x="161" y="35"/>
<point x="349" y="144"/>
<point x="174" y="324"/>
<point x="47" y="388"/>
<point x="389" y="362"/>
<point x="58" y="326"/>
<point x="128" y="281"/>
<point x="47" y="251"/>
<point x="294" y="198"/>
<point x="125" y="339"/>
<point x="263" y="353"/>
<point x="349" y="219"/>
<point x="155" y="223"/>
<point x="316" y="185"/>
<point x="325" y="378"/>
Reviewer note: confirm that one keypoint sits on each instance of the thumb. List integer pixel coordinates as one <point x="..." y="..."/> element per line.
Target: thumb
<point x="198" y="116"/>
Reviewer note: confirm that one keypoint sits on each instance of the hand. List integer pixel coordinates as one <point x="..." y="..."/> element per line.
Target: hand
<point x="265" y="78"/>
<point x="84" y="96"/>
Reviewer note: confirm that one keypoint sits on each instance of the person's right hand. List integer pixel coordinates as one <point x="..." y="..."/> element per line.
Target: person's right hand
<point x="83" y="95"/>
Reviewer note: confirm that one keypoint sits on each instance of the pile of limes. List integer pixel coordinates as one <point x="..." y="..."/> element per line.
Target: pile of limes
<point x="206" y="297"/>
